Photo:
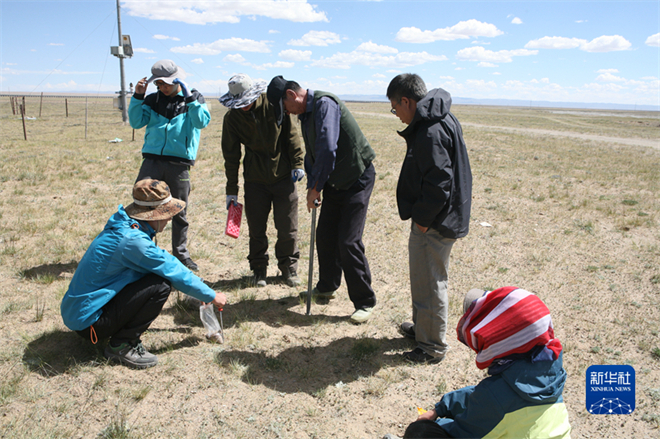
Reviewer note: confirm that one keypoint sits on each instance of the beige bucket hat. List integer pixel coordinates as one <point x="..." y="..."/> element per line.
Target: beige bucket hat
<point x="242" y="91"/>
<point x="152" y="201"/>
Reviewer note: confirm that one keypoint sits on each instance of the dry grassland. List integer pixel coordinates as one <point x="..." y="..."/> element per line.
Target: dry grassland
<point x="572" y="220"/>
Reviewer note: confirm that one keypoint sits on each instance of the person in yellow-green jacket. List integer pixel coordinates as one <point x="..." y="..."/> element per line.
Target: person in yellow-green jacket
<point x="511" y="331"/>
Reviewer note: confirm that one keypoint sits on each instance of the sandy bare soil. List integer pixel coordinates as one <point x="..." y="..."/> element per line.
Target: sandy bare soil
<point x="573" y="219"/>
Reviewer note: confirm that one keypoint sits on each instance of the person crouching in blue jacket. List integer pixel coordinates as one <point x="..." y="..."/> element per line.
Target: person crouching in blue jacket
<point x="124" y="278"/>
<point x="511" y="331"/>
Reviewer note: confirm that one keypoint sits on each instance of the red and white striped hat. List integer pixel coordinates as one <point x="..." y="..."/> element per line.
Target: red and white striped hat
<point x="507" y="321"/>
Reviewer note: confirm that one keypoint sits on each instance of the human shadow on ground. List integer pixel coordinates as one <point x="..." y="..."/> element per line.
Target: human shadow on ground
<point x="312" y="369"/>
<point x="58" y="352"/>
<point x="273" y="312"/>
<point x="46" y="270"/>
<point x="244" y="282"/>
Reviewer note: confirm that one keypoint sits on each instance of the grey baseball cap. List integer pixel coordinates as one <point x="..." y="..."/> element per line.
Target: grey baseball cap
<point x="164" y="70"/>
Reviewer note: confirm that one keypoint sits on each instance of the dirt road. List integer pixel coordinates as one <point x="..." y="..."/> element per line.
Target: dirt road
<point x="650" y="143"/>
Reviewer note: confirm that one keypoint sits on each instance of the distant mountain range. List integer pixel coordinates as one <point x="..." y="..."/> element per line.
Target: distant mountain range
<point x="518" y="103"/>
<point x="381" y="98"/>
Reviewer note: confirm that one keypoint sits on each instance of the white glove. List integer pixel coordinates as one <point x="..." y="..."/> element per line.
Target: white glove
<point x="231" y="199"/>
<point x="297" y="175"/>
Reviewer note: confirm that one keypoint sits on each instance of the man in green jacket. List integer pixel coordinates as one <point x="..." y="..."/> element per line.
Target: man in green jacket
<point x="273" y="163"/>
<point x="339" y="164"/>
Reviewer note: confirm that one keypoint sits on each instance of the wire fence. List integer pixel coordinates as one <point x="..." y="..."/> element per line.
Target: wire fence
<point x="39" y="117"/>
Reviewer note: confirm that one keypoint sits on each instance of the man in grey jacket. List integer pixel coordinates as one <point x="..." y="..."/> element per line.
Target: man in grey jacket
<point x="435" y="190"/>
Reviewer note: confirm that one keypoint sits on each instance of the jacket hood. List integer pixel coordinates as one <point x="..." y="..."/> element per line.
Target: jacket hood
<point x="121" y="219"/>
<point x="538" y="382"/>
<point x="434" y="106"/>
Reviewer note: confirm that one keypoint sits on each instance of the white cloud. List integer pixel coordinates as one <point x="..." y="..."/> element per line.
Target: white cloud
<point x="231" y="44"/>
<point x="296" y="55"/>
<point x="55" y="44"/>
<point x="608" y="71"/>
<point x="650" y="78"/>
<point x="555" y="43"/>
<point x="609" y="87"/>
<point x="480" y="54"/>
<point x="481" y="43"/>
<point x="197" y="61"/>
<point x="653" y="40"/>
<point x="461" y="30"/>
<point x="480" y="84"/>
<point x="378" y="75"/>
<point x="239" y="59"/>
<point x="516" y="20"/>
<point x="10" y="71"/>
<point x="275" y="65"/>
<point x="142" y="50"/>
<point x="206" y="12"/>
<point x="608" y="77"/>
<point x="540" y="81"/>
<point x="486" y="64"/>
<point x="581" y="21"/>
<point x="273" y="31"/>
<point x="316" y="38"/>
<point x="165" y="37"/>
<point x="606" y="43"/>
<point x="371" y="59"/>
<point x="375" y="48"/>
<point x="496" y="73"/>
<point x="10" y="64"/>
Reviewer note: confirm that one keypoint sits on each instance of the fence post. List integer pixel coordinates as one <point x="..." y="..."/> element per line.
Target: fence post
<point x="41" y="101"/>
<point x="66" y="105"/>
<point x="23" y="118"/>
<point x="85" y="117"/>
<point x="11" y="103"/>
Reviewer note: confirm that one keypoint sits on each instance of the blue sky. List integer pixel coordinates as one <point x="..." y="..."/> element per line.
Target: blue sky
<point x="562" y="51"/>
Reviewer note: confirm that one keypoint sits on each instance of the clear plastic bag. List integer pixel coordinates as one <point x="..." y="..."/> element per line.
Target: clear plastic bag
<point x="210" y="321"/>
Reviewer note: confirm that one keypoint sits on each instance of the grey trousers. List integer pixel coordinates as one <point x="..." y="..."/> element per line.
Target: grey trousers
<point x="177" y="177"/>
<point x="283" y="197"/>
<point x="429" y="264"/>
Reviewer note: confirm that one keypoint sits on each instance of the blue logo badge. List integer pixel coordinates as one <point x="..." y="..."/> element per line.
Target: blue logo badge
<point x="610" y="390"/>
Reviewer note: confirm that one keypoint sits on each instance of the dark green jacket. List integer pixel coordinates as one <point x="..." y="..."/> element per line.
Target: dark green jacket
<point x="354" y="153"/>
<point x="271" y="152"/>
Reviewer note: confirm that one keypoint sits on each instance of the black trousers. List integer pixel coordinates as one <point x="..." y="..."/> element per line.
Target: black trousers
<point x="131" y="311"/>
<point x="283" y="196"/>
<point x="425" y="430"/>
<point x="339" y="240"/>
<point x="177" y="177"/>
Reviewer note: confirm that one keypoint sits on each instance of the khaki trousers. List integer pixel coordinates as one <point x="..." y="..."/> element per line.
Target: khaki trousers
<point x="429" y="264"/>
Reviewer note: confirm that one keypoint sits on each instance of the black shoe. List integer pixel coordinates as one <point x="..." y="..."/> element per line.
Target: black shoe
<point x="419" y="356"/>
<point x="408" y="329"/>
<point x="291" y="278"/>
<point x="136" y="357"/>
<point x="259" y="277"/>
<point x="190" y="264"/>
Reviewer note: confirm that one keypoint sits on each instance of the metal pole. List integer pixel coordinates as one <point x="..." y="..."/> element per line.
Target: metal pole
<point x="310" y="275"/>
<point x="122" y="93"/>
